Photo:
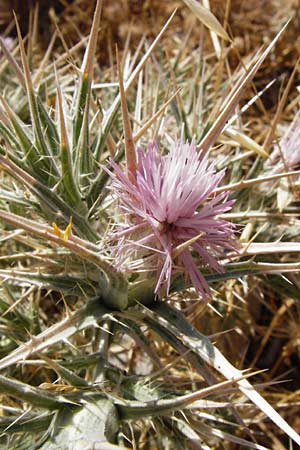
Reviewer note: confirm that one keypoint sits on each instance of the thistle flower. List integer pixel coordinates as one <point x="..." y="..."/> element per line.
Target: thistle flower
<point x="172" y="213"/>
<point x="286" y="155"/>
<point x="7" y="42"/>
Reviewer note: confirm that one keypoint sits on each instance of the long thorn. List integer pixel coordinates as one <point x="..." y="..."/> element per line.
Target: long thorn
<point x="130" y="153"/>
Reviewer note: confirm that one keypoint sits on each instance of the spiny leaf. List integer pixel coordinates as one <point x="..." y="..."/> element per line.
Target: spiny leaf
<point x="72" y="193"/>
<point x="67" y="284"/>
<point x="83" y="318"/>
<point x="114" y="284"/>
<point x="65" y="374"/>
<point x="48" y="198"/>
<point x="34" y="113"/>
<point x="30" y="394"/>
<point x="175" y="322"/>
<point x="31" y="155"/>
<point x="84" y="91"/>
<point x="133" y="409"/>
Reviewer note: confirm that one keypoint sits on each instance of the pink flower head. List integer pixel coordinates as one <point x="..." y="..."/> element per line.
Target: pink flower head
<point x="170" y="203"/>
<point x="8" y="42"/>
<point x="286" y="155"/>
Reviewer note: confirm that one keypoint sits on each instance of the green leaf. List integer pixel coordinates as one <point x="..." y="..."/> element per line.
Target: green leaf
<point x="94" y="425"/>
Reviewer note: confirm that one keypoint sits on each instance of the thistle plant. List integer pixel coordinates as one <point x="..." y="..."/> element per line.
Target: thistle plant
<point x="105" y="245"/>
